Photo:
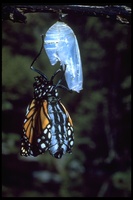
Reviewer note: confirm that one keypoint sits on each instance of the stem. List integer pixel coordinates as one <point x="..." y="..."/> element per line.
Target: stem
<point x="119" y="13"/>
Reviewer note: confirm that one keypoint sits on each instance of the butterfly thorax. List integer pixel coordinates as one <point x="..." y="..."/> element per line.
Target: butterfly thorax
<point x="45" y="90"/>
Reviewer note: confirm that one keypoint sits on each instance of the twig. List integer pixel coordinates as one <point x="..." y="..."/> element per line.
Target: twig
<point x="120" y="13"/>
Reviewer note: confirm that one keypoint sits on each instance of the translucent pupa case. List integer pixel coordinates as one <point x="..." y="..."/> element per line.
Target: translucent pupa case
<point x="61" y="45"/>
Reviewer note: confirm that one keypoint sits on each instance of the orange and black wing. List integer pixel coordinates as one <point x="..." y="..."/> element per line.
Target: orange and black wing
<point x="36" y="129"/>
<point x="69" y="125"/>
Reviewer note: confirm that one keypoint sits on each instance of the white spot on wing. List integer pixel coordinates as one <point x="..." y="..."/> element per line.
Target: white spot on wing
<point x="69" y="132"/>
<point x="49" y="135"/>
<point x="38" y="140"/>
<point x="71" y="143"/>
<point x="43" y="145"/>
<point x="45" y="131"/>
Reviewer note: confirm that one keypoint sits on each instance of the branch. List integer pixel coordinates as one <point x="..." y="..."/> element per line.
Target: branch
<point x="119" y="13"/>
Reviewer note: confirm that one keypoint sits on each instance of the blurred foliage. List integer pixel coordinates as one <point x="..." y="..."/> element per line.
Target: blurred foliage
<point x="122" y="180"/>
<point x="100" y="162"/>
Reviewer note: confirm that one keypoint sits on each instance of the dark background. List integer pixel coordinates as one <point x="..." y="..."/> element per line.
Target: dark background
<point x="100" y="163"/>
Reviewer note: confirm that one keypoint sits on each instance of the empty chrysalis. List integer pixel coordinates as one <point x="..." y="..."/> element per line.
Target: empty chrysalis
<point x="61" y="45"/>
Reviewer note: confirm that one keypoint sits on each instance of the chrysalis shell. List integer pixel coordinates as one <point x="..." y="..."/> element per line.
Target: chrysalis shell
<point x="61" y="45"/>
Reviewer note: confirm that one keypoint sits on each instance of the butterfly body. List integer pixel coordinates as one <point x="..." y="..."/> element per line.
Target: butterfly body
<point x="47" y="124"/>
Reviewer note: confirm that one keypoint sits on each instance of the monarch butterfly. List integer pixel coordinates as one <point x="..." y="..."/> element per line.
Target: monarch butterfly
<point x="47" y="124"/>
<point x="61" y="45"/>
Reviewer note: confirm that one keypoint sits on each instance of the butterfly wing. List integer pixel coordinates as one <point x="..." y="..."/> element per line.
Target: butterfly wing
<point x="62" y="139"/>
<point x="70" y="131"/>
<point x="36" y="129"/>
